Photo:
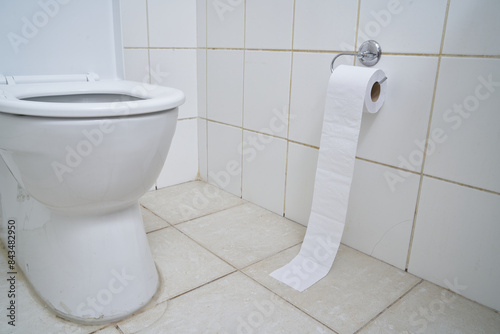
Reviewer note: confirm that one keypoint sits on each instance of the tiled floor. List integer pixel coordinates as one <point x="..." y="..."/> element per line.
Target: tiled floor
<point x="215" y="251"/>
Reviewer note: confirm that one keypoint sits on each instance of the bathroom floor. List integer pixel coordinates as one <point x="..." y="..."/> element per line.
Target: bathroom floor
<point x="215" y="251"/>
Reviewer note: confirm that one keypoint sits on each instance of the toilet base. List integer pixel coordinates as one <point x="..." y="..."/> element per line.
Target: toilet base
<point x="91" y="269"/>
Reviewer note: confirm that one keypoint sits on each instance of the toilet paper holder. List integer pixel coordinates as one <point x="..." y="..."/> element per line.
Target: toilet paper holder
<point x="369" y="54"/>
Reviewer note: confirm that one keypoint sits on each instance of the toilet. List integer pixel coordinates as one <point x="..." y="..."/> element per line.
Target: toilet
<point x="79" y="145"/>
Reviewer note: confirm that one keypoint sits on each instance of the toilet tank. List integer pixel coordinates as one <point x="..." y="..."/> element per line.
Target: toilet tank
<point x="61" y="37"/>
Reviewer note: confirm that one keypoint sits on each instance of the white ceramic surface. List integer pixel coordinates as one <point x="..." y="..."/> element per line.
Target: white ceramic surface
<point x="268" y="24"/>
<point x="78" y="147"/>
<point x="86" y="240"/>
<point x="474" y="22"/>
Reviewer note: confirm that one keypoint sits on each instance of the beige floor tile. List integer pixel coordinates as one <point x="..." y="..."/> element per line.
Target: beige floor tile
<point x="244" y="234"/>
<point x="109" y="330"/>
<point x="151" y="221"/>
<point x="357" y="288"/>
<point x="183" y="264"/>
<point x="144" y="320"/>
<point x="187" y="201"/>
<point x="428" y="308"/>
<point x="232" y="304"/>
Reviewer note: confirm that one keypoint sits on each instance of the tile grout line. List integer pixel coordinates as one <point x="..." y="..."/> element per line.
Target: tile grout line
<point x="206" y="88"/>
<point x="360" y="158"/>
<point x="110" y="325"/>
<point x="289" y="114"/>
<point x="158" y="229"/>
<point x="188" y="118"/>
<point x="243" y="95"/>
<point x="240" y="270"/>
<point x="410" y="54"/>
<point x="289" y="303"/>
<point x="389" y="166"/>
<point x="200" y="244"/>
<point x="202" y="285"/>
<point x="208" y="214"/>
<point x="356" y="32"/>
<point x="429" y="126"/>
<point x="269" y="256"/>
<point x="389" y="306"/>
<point x="461" y="184"/>
<point x="287" y="150"/>
<point x="149" y="58"/>
<point x="453" y="55"/>
<point x="209" y="250"/>
<point x="156" y="304"/>
<point x="304" y="311"/>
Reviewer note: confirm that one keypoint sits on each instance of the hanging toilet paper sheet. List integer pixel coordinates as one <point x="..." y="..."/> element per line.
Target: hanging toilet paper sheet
<point x="350" y="91"/>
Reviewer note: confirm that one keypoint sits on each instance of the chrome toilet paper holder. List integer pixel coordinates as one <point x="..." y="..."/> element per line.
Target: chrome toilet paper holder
<point x="369" y="54"/>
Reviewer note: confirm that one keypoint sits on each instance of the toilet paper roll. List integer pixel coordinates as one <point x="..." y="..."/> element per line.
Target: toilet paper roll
<point x="351" y="90"/>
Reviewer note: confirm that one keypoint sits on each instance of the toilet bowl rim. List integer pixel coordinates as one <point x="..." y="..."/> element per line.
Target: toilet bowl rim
<point x="152" y="98"/>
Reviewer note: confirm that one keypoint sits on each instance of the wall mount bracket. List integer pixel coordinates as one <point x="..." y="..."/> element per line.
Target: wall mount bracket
<point x="369" y="54"/>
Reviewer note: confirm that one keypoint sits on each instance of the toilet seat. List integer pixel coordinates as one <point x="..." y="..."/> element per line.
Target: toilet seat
<point x="147" y="99"/>
<point x="45" y="60"/>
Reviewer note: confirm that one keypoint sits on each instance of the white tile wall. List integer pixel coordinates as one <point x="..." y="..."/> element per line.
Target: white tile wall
<point x="177" y="68"/>
<point x="134" y="23"/>
<point x="468" y="118"/>
<point x="225" y="86"/>
<point x="396" y="134"/>
<point x="169" y="24"/>
<point x="201" y="23"/>
<point x="269" y="24"/>
<point x="225" y="24"/>
<point x="379" y="219"/>
<point x="264" y="160"/>
<point x="405" y="26"/>
<point x="136" y="63"/>
<point x="202" y="149"/>
<point x="182" y="160"/>
<point x="172" y="23"/>
<point x="325" y="25"/>
<point x="236" y="75"/>
<point x="456" y="240"/>
<point x="472" y="28"/>
<point x="224" y="158"/>
<point x="267" y="81"/>
<point x="201" y="63"/>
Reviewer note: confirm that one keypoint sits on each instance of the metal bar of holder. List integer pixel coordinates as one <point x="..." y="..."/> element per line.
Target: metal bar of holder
<point x="369" y="54"/>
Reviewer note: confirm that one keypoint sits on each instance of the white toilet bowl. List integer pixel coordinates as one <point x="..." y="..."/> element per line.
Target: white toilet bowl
<point x="71" y="153"/>
<point x="76" y="155"/>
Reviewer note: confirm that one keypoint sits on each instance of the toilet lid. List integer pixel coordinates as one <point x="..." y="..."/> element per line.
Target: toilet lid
<point x="61" y="37"/>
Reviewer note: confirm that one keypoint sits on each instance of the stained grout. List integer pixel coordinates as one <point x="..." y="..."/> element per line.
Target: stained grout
<point x="242" y="165"/>
<point x="288" y="302"/>
<point x="421" y="173"/>
<point x="242" y="271"/>
<point x="289" y="114"/>
<point x="333" y="52"/>
<point x="202" y="285"/>
<point x="288" y="140"/>
<point x="389" y="306"/>
<point x="293" y="50"/>
<point x="461" y="184"/>
<point x="429" y="126"/>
